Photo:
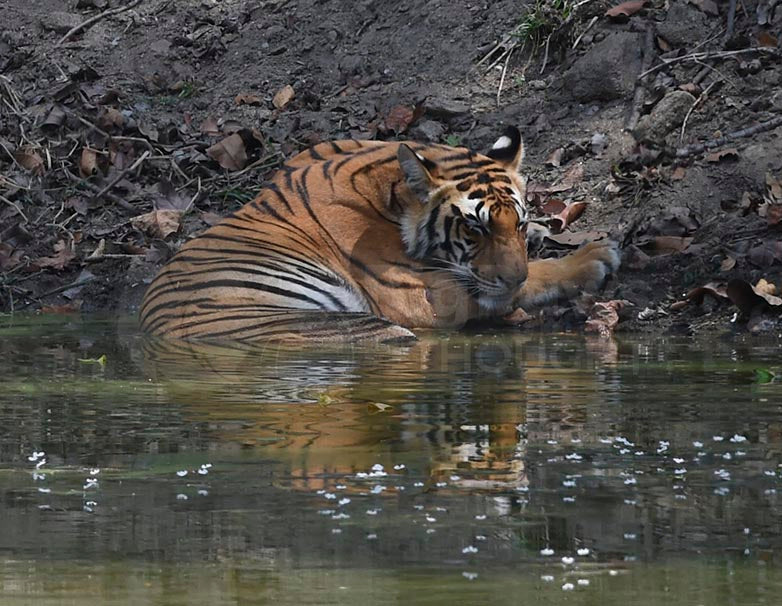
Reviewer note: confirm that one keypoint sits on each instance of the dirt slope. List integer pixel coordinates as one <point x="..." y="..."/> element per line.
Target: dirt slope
<point x="172" y="79"/>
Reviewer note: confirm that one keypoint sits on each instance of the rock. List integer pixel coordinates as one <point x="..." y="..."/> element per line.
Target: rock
<point x="446" y="109"/>
<point x="537" y="84"/>
<point x="427" y="130"/>
<point x="59" y="21"/>
<point x="667" y="115"/>
<point x="683" y="26"/>
<point x="607" y="71"/>
<point x="776" y="100"/>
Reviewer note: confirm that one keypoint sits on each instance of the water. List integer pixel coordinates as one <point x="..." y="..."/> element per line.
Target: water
<point x="462" y="469"/>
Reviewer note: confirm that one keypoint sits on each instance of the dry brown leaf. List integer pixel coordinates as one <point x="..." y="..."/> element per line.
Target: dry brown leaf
<point x="28" y="158"/>
<point x="250" y="99"/>
<point x="767" y="39"/>
<point x="772" y="212"/>
<point x="678" y="173"/>
<point x="665" y="245"/>
<point x="604" y="316"/>
<point x="63" y="254"/>
<point x="210" y="128"/>
<point x="283" y="96"/>
<point x="575" y="239"/>
<point x="88" y="163"/>
<point x="9" y="256"/>
<point x="707" y="6"/>
<point x="158" y="223"/>
<point x="54" y="118"/>
<point x="764" y="287"/>
<point x="230" y="153"/>
<point x="728" y="263"/>
<point x="555" y="158"/>
<point x="746" y="297"/>
<point x="773" y="188"/>
<point x="622" y="12"/>
<point x="696" y="296"/>
<point x="110" y="118"/>
<point x="65" y="308"/>
<point x="731" y="153"/>
<point x="765" y="254"/>
<point x="211" y="218"/>
<point x="401" y="117"/>
<point x="663" y="44"/>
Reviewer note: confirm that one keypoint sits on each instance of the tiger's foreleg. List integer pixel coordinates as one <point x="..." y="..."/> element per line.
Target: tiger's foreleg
<point x="583" y="270"/>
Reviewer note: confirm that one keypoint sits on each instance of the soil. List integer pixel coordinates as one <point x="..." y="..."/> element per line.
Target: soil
<point x="172" y="79"/>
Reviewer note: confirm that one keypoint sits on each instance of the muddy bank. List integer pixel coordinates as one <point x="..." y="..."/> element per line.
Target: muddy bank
<point x="122" y="140"/>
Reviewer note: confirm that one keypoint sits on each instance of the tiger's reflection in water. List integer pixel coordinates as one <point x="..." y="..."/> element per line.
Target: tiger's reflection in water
<point x="457" y="405"/>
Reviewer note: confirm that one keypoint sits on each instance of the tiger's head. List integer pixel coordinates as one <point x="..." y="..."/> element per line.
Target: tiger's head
<point x="465" y="213"/>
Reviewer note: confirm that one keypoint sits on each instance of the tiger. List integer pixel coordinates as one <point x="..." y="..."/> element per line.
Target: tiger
<point x="369" y="240"/>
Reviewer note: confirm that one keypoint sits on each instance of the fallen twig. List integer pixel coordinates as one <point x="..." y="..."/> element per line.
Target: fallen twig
<point x="122" y="174"/>
<point x="502" y="77"/>
<point x="697" y="148"/>
<point x="94" y="188"/>
<point x="695" y="104"/>
<point x="16" y="206"/>
<point x="708" y="55"/>
<point x="640" y="91"/>
<point x="731" y="20"/>
<point x="95" y="19"/>
<point x="59" y="289"/>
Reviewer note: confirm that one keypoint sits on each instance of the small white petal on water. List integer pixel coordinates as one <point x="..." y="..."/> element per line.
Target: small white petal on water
<point x="371" y="536"/>
<point x="343" y="501"/>
<point x="480" y="516"/>
<point x="470" y="549"/>
<point x="738" y="439"/>
<point x="697" y="444"/>
<point x="202" y="492"/>
<point x="470" y="576"/>
<point x="568" y="587"/>
<point x="568" y="560"/>
<point x="181" y="497"/>
<point x="45" y="490"/>
<point x="630" y="536"/>
<point x="430" y="519"/>
<point x="583" y="582"/>
<point x="546" y="578"/>
<point x="547" y="551"/>
<point x="399" y="467"/>
<point x="336" y="531"/>
<point x="182" y="473"/>
<point x="584" y="551"/>
<point x="717" y="438"/>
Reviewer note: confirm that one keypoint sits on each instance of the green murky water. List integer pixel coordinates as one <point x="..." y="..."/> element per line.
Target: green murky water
<point x="490" y="468"/>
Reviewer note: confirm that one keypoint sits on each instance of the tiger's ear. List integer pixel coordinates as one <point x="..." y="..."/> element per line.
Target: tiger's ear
<point x="508" y="149"/>
<point x="417" y="175"/>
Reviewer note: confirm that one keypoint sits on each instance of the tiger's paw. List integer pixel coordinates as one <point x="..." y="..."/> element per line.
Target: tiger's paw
<point x="592" y="264"/>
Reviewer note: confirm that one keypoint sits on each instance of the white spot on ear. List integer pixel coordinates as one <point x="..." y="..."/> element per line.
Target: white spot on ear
<point x="419" y="156"/>
<point x="502" y="142"/>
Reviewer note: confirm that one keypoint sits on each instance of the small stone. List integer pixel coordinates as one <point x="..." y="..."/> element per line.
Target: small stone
<point x="537" y="84"/>
<point x="59" y="21"/>
<point x="607" y="71"/>
<point x="666" y="116"/>
<point x="427" y="130"/>
<point x="683" y="24"/>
